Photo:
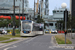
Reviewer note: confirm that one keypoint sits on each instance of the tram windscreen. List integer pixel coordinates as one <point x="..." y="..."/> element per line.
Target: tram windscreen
<point x="26" y="26"/>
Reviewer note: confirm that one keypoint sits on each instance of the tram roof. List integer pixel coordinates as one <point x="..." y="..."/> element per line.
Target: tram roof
<point x="27" y="20"/>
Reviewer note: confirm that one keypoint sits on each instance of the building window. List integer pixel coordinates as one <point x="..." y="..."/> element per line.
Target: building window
<point x="26" y="5"/>
<point x="57" y="11"/>
<point x="55" y="24"/>
<point x="46" y="6"/>
<point x="51" y="24"/>
<point x="46" y="24"/>
<point x="61" y="11"/>
<point x="54" y="11"/>
<point x="46" y="1"/>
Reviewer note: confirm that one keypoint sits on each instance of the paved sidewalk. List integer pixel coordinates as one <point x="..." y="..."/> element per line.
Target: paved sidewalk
<point x="19" y="39"/>
<point x="66" y="45"/>
<point x="71" y="38"/>
<point x="1" y="44"/>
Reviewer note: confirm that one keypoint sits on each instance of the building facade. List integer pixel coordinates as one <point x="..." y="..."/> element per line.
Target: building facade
<point x="46" y="7"/>
<point x="58" y="14"/>
<point x="6" y="8"/>
<point x="72" y="7"/>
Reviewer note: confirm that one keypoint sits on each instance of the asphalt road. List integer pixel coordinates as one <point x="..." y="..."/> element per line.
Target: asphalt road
<point x="43" y="42"/>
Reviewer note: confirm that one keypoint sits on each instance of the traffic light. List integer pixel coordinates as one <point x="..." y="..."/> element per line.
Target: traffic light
<point x="65" y="32"/>
<point x="66" y="15"/>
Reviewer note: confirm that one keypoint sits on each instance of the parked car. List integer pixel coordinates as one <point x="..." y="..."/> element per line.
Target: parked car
<point x="2" y="31"/>
<point x="53" y="31"/>
<point x="47" y="31"/>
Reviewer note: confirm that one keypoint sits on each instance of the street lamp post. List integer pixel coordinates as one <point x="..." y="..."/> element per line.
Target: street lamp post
<point x="66" y="19"/>
<point x="19" y="16"/>
<point x="14" y="20"/>
<point x="22" y="9"/>
<point x="64" y="5"/>
<point x="30" y="17"/>
<point x="65" y="23"/>
<point x="34" y="10"/>
<point x="65" y="26"/>
<point x="40" y="8"/>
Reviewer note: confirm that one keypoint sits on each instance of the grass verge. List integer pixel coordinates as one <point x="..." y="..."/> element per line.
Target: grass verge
<point x="10" y="36"/>
<point x="16" y="31"/>
<point x="7" y="37"/>
<point x="61" y="40"/>
<point x="4" y="38"/>
<point x="10" y="41"/>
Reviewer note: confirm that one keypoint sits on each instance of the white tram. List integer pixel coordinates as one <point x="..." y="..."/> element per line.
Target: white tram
<point x="29" y="28"/>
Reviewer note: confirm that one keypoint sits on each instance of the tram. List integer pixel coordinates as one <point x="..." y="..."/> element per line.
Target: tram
<point x="30" y="28"/>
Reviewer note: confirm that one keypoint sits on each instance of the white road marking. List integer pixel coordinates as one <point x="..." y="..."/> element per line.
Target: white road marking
<point x="51" y="40"/>
<point x="64" y="47"/>
<point x="11" y="43"/>
<point x="17" y="42"/>
<point x="69" y="47"/>
<point x="29" y="40"/>
<point x="50" y="47"/>
<point x="10" y="47"/>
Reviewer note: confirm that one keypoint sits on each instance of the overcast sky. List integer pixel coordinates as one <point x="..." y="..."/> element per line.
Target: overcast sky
<point x="52" y="4"/>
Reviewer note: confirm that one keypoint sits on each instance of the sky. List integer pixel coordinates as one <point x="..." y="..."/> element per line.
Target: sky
<point x="52" y="4"/>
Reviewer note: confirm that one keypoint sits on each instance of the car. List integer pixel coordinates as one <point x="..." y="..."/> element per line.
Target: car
<point x="2" y="31"/>
<point x="47" y="31"/>
<point x="53" y="31"/>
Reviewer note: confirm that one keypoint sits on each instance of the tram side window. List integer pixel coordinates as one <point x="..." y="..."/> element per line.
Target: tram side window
<point x="36" y="27"/>
<point x="41" y="29"/>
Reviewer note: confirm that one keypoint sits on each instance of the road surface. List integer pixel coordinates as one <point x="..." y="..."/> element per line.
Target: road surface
<point x="43" y="42"/>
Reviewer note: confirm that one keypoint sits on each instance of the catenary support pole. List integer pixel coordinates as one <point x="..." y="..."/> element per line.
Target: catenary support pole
<point x="34" y="10"/>
<point x="22" y="9"/>
<point x="14" y="19"/>
<point x="19" y="17"/>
